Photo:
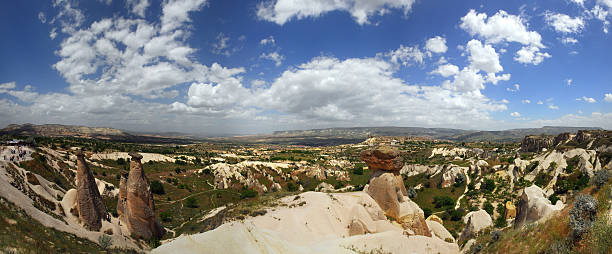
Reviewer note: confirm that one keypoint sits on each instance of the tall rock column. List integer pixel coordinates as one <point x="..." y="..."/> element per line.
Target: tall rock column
<point x="89" y="203"/>
<point x="122" y="201"/>
<point x="386" y="187"/>
<point x="139" y="209"/>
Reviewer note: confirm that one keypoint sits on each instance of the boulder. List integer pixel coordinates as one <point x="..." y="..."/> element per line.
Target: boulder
<point x="510" y="210"/>
<point x="324" y="187"/>
<point x="439" y="231"/>
<point x="139" y="210"/>
<point x="411" y="217"/>
<point x="383" y="158"/>
<point x="534" y="206"/>
<point x="89" y="205"/>
<point x="475" y="222"/>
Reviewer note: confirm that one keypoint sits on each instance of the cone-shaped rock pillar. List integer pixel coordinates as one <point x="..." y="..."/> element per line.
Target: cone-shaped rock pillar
<point x="139" y="209"/>
<point x="89" y="203"/>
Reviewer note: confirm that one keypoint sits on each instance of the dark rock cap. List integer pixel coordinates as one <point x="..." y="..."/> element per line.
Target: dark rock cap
<point x="135" y="155"/>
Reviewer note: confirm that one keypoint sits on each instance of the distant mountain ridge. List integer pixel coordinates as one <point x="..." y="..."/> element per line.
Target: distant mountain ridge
<point x="436" y="133"/>
<point x="60" y="130"/>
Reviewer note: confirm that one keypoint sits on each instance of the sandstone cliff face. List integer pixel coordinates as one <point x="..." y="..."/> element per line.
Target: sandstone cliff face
<point x="536" y="143"/>
<point x="139" y="209"/>
<point x="89" y="205"/>
<point x="387" y="188"/>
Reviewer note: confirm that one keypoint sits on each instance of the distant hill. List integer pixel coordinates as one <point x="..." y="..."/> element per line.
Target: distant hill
<point x="435" y="133"/>
<point x="59" y="130"/>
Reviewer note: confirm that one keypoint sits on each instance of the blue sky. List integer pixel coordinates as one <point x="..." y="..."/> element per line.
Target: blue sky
<point x="242" y="67"/>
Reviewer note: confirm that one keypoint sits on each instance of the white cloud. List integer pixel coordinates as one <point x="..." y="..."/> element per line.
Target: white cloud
<point x="578" y="2"/>
<point x="436" y="45"/>
<point x="569" y="81"/>
<point x="563" y="23"/>
<point x="282" y="11"/>
<point x="608" y="97"/>
<point x="586" y="99"/>
<point x="221" y="46"/>
<point x="515" y="88"/>
<point x="530" y="54"/>
<point x="569" y="40"/>
<point x="540" y="102"/>
<point x="602" y="14"/>
<point x="467" y="80"/>
<point x="446" y="70"/>
<point x="515" y="114"/>
<point x="4" y="87"/>
<point x="525" y="101"/>
<point x="595" y="119"/>
<point x="406" y="55"/>
<point x="274" y="56"/>
<point x="504" y="27"/>
<point x="175" y="13"/>
<point x="552" y="106"/>
<point x="42" y="17"/>
<point x="483" y="57"/>
<point x="269" y="40"/>
<point x="138" y="7"/>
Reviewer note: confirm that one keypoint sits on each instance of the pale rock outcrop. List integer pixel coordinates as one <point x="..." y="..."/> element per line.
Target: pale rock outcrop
<point x="450" y="176"/>
<point x="325" y="187"/>
<point x="534" y="206"/>
<point x="435" y="218"/>
<point x="475" y="222"/>
<point x="122" y="197"/>
<point x="536" y="143"/>
<point x="387" y="188"/>
<point x="139" y="208"/>
<point x="439" y="231"/>
<point x="89" y="204"/>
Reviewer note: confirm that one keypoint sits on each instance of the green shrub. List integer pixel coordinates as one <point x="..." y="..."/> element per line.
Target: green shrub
<point x="358" y="169"/>
<point x="157" y="187"/>
<point x="105" y="241"/>
<point x="443" y="201"/>
<point x="488" y="185"/>
<point x="166" y="216"/>
<point x="600" y="239"/>
<point x="601" y="177"/>
<point x="427" y="211"/>
<point x="248" y="193"/>
<point x="292" y="187"/>
<point x="488" y="207"/>
<point x="191" y="202"/>
<point x="582" y="215"/>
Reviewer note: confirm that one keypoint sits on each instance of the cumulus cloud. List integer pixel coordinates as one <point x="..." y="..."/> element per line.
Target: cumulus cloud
<point x="569" y="81"/>
<point x="483" y="57"/>
<point x="406" y="55"/>
<point x="273" y="56"/>
<point x="42" y="17"/>
<point x="564" y="23"/>
<point x="553" y="106"/>
<point x="282" y="11"/>
<point x="446" y="70"/>
<point x="514" y="88"/>
<point x="569" y="40"/>
<point x="138" y="7"/>
<point x="608" y="97"/>
<point x="525" y="101"/>
<point x="436" y="45"/>
<point x="504" y="27"/>
<point x="603" y="12"/>
<point x="515" y="114"/>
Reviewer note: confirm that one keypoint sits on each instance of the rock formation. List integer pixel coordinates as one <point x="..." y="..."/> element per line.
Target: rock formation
<point x="89" y="205"/>
<point x="534" y="206"/>
<point x="475" y="222"/>
<point x="510" y="210"/>
<point x="138" y="209"/>
<point x="122" y="199"/>
<point x="536" y="143"/>
<point x="387" y="188"/>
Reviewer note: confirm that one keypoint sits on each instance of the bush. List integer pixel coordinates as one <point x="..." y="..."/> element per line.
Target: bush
<point x="191" y="202"/>
<point x="456" y="215"/>
<point x="495" y="236"/>
<point x="157" y="187"/>
<point x="358" y="170"/>
<point x="443" y="201"/>
<point x="582" y="216"/>
<point x="105" y="241"/>
<point x="248" y="193"/>
<point x="426" y="212"/>
<point x="553" y="198"/>
<point x="488" y="207"/>
<point x="599" y="238"/>
<point x="559" y="247"/>
<point x="166" y="216"/>
<point x="601" y="177"/>
<point x="488" y="185"/>
<point x="460" y="179"/>
<point x="120" y="161"/>
<point x="292" y="187"/>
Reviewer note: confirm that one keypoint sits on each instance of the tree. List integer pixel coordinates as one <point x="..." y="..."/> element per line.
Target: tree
<point x="582" y="215"/>
<point x="157" y="187"/>
<point x="488" y="185"/>
<point x="601" y="177"/>
<point x="358" y="169"/>
<point x="166" y="216"/>
<point x="488" y="207"/>
<point x="426" y="212"/>
<point x="443" y="201"/>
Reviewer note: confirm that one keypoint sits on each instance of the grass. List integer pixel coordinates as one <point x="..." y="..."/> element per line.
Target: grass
<point x="39" y="166"/>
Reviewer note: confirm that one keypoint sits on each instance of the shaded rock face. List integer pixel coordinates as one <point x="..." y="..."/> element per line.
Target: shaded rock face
<point x="387" y="188"/>
<point x="535" y="206"/>
<point x="122" y="201"/>
<point x="89" y="204"/>
<point x="138" y="208"/>
<point x="32" y="179"/>
<point x="382" y="158"/>
<point x="536" y="143"/>
<point x="563" y="138"/>
<point x="475" y="223"/>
